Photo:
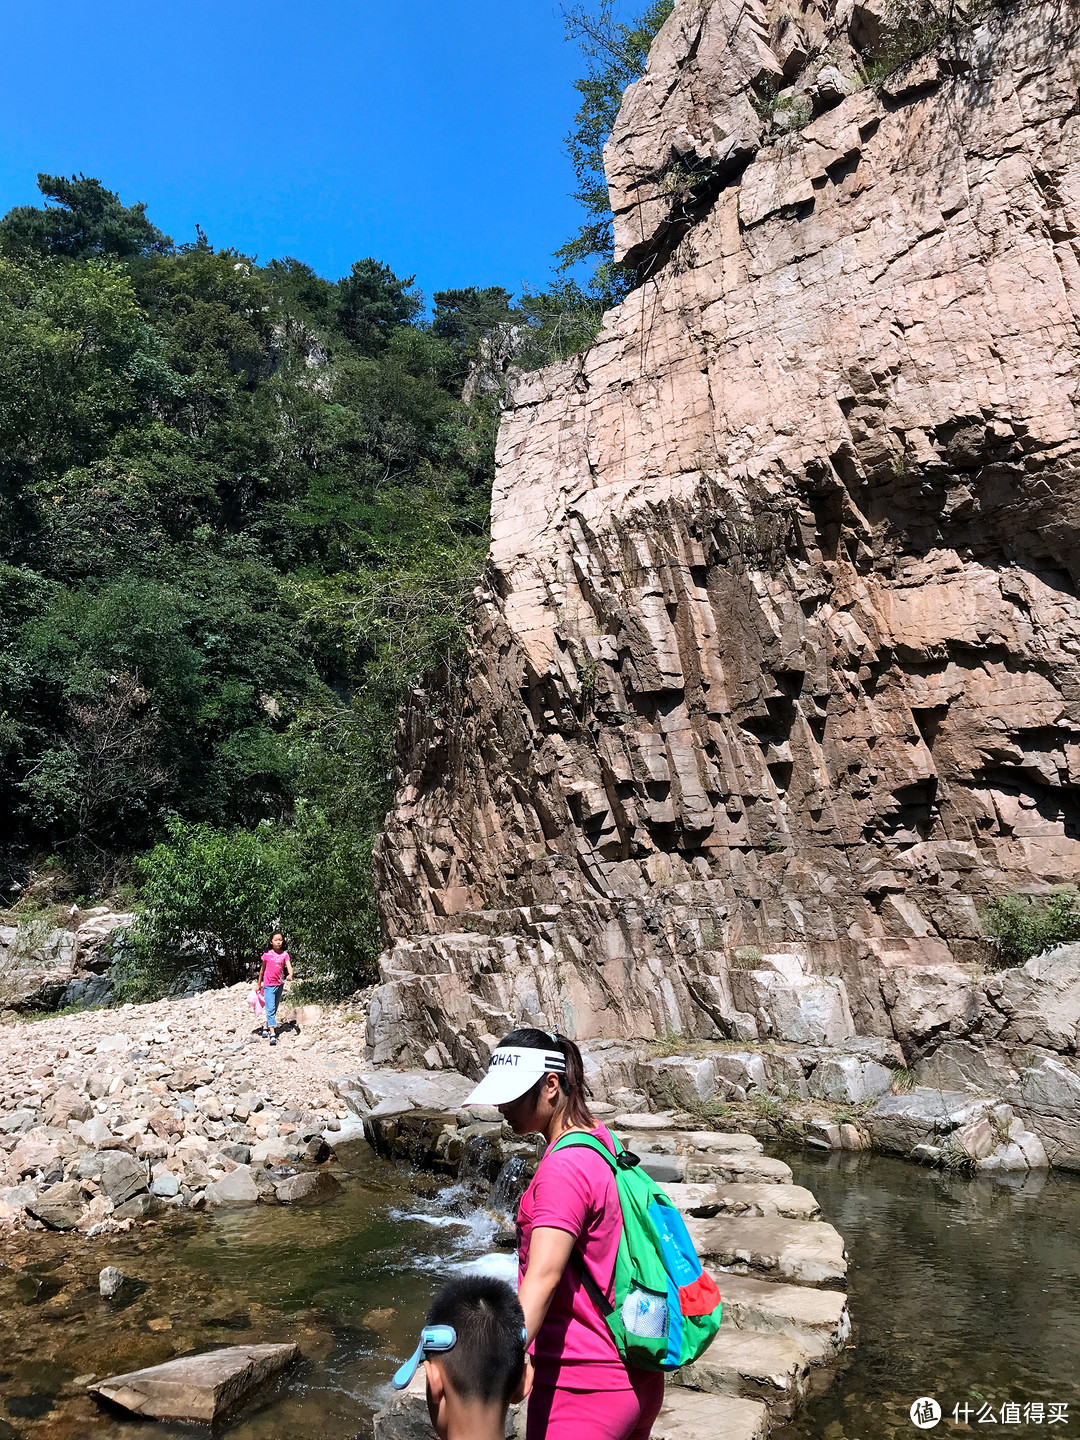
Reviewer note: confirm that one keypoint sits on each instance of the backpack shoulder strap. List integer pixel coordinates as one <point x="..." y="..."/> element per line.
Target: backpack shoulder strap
<point x="591" y="1142"/>
<point x="577" y="1260"/>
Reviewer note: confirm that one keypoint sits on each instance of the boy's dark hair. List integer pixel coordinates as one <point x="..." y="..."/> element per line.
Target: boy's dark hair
<point x="488" y="1361"/>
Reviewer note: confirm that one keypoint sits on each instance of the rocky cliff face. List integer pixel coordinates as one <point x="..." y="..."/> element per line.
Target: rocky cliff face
<point x="779" y="650"/>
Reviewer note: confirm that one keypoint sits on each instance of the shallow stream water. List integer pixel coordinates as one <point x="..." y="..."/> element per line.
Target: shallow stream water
<point x="967" y="1291"/>
<point x="349" y="1281"/>
<point x="963" y="1290"/>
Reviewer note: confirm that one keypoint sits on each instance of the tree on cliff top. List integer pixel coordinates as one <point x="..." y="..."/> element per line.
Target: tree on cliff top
<point x="85" y="220"/>
<point x="617" y="54"/>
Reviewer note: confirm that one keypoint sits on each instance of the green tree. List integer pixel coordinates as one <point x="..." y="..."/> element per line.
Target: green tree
<point x="616" y="53"/>
<point x="371" y="302"/>
<point x="1024" y="926"/>
<point x="244" y="510"/>
<point x="85" y="220"/>
<point x="210" y="905"/>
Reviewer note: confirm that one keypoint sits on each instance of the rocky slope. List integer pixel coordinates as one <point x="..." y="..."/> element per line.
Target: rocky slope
<point x="778" y="651"/>
<point x="114" y="1115"/>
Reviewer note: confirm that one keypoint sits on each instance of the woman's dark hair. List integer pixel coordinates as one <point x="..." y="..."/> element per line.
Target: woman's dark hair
<point x="572" y="1084"/>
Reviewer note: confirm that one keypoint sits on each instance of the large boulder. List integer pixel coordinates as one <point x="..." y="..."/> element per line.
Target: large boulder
<point x="32" y="1155"/>
<point x="200" y="1388"/>
<point x="900" y="1122"/>
<point x="1047" y="1095"/>
<point x="678" y="1080"/>
<point x="929" y="1003"/>
<point x="59" y="1207"/>
<point x="392" y="1091"/>
<point x="848" y="1080"/>
<point x="805" y="1009"/>
<point x="236" y="1189"/>
<point x="1038" y="1003"/>
<point x="120" y="1175"/>
<point x="310" y="1187"/>
<point x="960" y="1065"/>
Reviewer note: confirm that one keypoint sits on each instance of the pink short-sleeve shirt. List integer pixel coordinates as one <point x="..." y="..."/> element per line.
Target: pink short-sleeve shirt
<point x="274" y="961"/>
<point x="574" y="1190"/>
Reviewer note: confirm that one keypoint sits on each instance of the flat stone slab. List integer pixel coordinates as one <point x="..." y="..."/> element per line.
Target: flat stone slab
<point x="674" y="1141"/>
<point x="804" y="1252"/>
<point x="196" y="1387"/>
<point x="818" y="1319"/>
<point x="707" y="1199"/>
<point x="691" y="1415"/>
<point x="772" y="1368"/>
<point x="728" y="1167"/>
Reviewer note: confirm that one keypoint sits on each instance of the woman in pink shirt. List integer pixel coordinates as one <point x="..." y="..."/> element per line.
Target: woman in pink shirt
<point x="569" y="1217"/>
<point x="276" y="969"/>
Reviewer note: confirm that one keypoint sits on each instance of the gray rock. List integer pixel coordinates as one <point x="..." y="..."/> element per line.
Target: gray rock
<point x="233" y="1150"/>
<point x="405" y="1089"/>
<point x="59" y="1207"/>
<point x="111" y="1281"/>
<point x="900" y="1122"/>
<point x="743" y="1070"/>
<point x="86" y="990"/>
<point x="678" y="1079"/>
<point x="121" y="1176"/>
<point x="165" y="1186"/>
<point x="850" y="1080"/>
<point x="308" y="1188"/>
<point x="960" y="1065"/>
<point x="316" y="1151"/>
<point x="823" y="1136"/>
<point x="235" y="1189"/>
<point x="929" y="1003"/>
<point x="95" y="1132"/>
<point x="350" y="1144"/>
<point x="1040" y="1001"/>
<point x="199" y="1388"/>
<point x="805" y="1009"/>
<point x="137" y="1208"/>
<point x="16" y="1120"/>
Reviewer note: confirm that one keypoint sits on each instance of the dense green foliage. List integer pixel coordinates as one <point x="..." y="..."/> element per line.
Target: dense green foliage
<point x="241" y="509"/>
<point x="1024" y="926"/>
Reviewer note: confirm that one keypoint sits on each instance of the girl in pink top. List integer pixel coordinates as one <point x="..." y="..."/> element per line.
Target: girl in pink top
<point x="582" y="1387"/>
<point x="276" y="968"/>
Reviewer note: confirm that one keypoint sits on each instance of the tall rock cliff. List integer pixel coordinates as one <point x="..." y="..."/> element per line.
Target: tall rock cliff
<point x="778" y="653"/>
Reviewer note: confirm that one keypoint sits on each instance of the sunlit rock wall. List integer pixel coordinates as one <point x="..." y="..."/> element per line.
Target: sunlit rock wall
<point x="779" y="648"/>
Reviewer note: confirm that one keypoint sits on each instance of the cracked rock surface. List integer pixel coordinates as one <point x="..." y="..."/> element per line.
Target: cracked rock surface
<point x="775" y="676"/>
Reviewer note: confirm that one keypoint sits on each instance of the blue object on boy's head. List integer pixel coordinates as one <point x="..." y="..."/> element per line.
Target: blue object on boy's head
<point x="434" y="1340"/>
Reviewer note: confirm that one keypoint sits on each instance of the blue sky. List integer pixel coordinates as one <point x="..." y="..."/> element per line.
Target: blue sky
<point x="425" y="132"/>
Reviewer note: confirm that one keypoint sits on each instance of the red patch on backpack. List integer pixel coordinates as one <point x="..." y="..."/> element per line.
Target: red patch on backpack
<point x="700" y="1297"/>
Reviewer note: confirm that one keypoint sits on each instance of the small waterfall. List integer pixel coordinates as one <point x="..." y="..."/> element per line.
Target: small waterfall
<point x="509" y="1186"/>
<point x="481" y="1162"/>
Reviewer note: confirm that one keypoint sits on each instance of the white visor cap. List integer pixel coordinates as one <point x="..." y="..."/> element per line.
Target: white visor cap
<point x="513" y="1070"/>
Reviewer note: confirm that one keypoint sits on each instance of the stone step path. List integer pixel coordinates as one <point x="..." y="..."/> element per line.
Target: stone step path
<point x="780" y="1268"/>
<point x="772" y="1256"/>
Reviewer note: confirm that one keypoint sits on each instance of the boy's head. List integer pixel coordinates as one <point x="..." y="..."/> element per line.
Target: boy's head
<point x="485" y="1369"/>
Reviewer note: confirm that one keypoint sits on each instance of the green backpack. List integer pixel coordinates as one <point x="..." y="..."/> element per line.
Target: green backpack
<point x="667" y="1309"/>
